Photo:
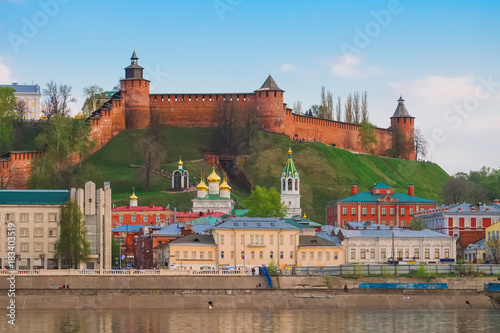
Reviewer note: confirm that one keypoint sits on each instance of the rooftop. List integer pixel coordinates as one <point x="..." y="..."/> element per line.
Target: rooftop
<point x="194" y="239"/>
<point x="269" y="84"/>
<point x="370" y="197"/>
<point x="176" y="228"/>
<point x="33" y="197"/>
<point x="23" y="88"/>
<point x="128" y="228"/>
<point x="368" y="225"/>
<point x="255" y="223"/>
<point x="308" y="241"/>
<point x="398" y="233"/>
<point x="139" y="208"/>
<point x="401" y="109"/>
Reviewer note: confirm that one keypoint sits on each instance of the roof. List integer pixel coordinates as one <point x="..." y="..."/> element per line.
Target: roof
<point x="467" y="208"/>
<point x="139" y="208"/>
<point x="368" y="225"/>
<point x="479" y="245"/>
<point x="212" y="197"/>
<point x="467" y="237"/>
<point x="297" y="224"/>
<point x="380" y="185"/>
<point x="33" y="197"/>
<point x="175" y="229"/>
<point x="214" y="177"/>
<point x="269" y="84"/>
<point x="370" y="197"/>
<point x="401" y="109"/>
<point x="194" y="239"/>
<point x="255" y="223"/>
<point x="23" y="88"/>
<point x="204" y="220"/>
<point x="307" y="241"/>
<point x="289" y="167"/>
<point x="128" y="228"/>
<point x="398" y="233"/>
<point x="331" y="238"/>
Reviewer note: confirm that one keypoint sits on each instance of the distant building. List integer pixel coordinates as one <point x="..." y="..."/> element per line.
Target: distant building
<point x="466" y="238"/>
<point x="193" y="252"/>
<point x="180" y="177"/>
<point x="126" y="236"/>
<point x="35" y="215"/>
<point x="215" y="197"/>
<point x="454" y="219"/>
<point x="379" y="205"/>
<point x="290" y="188"/>
<point x="493" y="243"/>
<point x="476" y="252"/>
<point x="316" y="251"/>
<point x="381" y="245"/>
<point x="31" y="95"/>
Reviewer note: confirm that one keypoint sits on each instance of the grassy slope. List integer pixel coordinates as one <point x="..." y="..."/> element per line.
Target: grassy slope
<point x="326" y="172"/>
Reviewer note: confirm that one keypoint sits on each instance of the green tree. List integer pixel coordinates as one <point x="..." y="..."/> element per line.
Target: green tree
<point x="72" y="246"/>
<point x="367" y="137"/>
<point x="458" y="189"/>
<point x="93" y="99"/>
<point x="7" y="117"/>
<point x="418" y="223"/>
<point x="399" y="144"/>
<point x="115" y="253"/>
<point x="264" y="202"/>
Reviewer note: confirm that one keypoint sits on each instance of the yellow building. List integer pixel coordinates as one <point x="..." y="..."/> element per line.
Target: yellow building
<point x="196" y="252"/>
<point x="30" y="95"/>
<point x="493" y="243"/>
<point x="318" y="252"/>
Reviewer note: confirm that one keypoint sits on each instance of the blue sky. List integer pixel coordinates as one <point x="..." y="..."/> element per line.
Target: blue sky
<point x="441" y="55"/>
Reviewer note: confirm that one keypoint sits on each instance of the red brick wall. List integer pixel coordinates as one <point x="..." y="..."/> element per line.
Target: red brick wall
<point x="16" y="168"/>
<point x="271" y="110"/>
<point x="137" y="110"/>
<point x="407" y="125"/>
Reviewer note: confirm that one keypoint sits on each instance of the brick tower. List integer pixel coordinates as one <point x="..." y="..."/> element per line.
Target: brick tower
<point x="135" y="90"/>
<point x="402" y="119"/>
<point x="269" y="101"/>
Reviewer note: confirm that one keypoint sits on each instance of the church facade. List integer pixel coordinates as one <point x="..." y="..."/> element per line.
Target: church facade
<point x="215" y="197"/>
<point x="290" y="188"/>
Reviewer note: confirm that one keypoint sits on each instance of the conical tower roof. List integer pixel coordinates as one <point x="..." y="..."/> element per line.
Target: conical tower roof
<point x="289" y="167"/>
<point x="269" y="84"/>
<point x="401" y="109"/>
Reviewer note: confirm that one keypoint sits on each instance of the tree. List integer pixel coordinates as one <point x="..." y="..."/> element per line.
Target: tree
<point x="418" y="223"/>
<point x="458" y="189"/>
<point x="493" y="249"/>
<point x="367" y="137"/>
<point x="420" y="143"/>
<point x="297" y="107"/>
<point x="399" y="144"/>
<point x="93" y="99"/>
<point x="115" y="252"/>
<point x="6" y="176"/>
<point x="7" y="116"/>
<point x="364" y="106"/>
<point x="72" y="246"/>
<point x="57" y="99"/>
<point x="348" y="110"/>
<point x="264" y="202"/>
<point x="326" y="107"/>
<point x="153" y="155"/>
<point x="356" y="108"/>
<point x="338" y="109"/>
<point x="314" y="111"/>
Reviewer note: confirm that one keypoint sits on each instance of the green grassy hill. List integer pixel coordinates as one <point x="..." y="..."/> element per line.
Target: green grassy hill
<point x="326" y="172"/>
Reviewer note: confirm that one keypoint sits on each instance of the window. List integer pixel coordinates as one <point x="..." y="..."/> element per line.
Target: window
<point x="327" y="256"/>
<point x="479" y="223"/>
<point x="24" y="247"/>
<point x="38" y="247"/>
<point x="24" y="232"/>
<point x="38" y="217"/>
<point x="271" y="239"/>
<point x="271" y="255"/>
<point x="222" y="254"/>
<point x="384" y="211"/>
<point x="133" y="218"/>
<point x="427" y="253"/>
<point x="210" y="255"/>
<point x="436" y="253"/>
<point x="335" y="255"/>
<point x="52" y="233"/>
<point x="382" y="254"/>
<point x="10" y="217"/>
<point x="291" y="239"/>
<point x="242" y="255"/>
<point x="157" y="218"/>
<point x="202" y="255"/>
<point x="353" y="210"/>
<point x="402" y="211"/>
<point x="221" y="239"/>
<point x="303" y="256"/>
<point x="281" y="255"/>
<point x="121" y="218"/>
<point x="417" y="253"/>
<point x="177" y="254"/>
<point x="391" y="211"/>
<point x="447" y="253"/>
<point x="363" y="254"/>
<point x="372" y="254"/>
<point x="185" y="254"/>
<point x="407" y="253"/>
<point x="363" y="211"/>
<point x="52" y="247"/>
<point x="24" y="217"/>
<point x="311" y="255"/>
<point x="353" y="254"/>
<point x="411" y="209"/>
<point x="373" y="211"/>
<point x="291" y="254"/>
<point x="320" y="255"/>
<point x="232" y="254"/>
<point x="193" y="254"/>
<point x="344" y="210"/>
<point x="392" y="223"/>
<point x="38" y="232"/>
<point x="261" y="255"/>
<point x="233" y="239"/>
<point x="52" y="217"/>
<point x="400" y="253"/>
<point x="281" y="240"/>
<point x="252" y="255"/>
<point x="145" y="218"/>
<point x="455" y="222"/>
<point x="122" y="240"/>
<point x="242" y="239"/>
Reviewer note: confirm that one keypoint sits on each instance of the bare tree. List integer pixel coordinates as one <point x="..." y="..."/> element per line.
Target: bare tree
<point x="493" y="249"/>
<point x="329" y="105"/>
<point x="458" y="189"/>
<point x="420" y="143"/>
<point x="364" y="106"/>
<point x="21" y="108"/>
<point x="338" y="109"/>
<point x="93" y="99"/>
<point x="57" y="99"/>
<point x="6" y="175"/>
<point x="356" y="110"/>
<point x="348" y="109"/>
<point x="153" y="155"/>
<point x="297" y="107"/>
<point x="326" y="107"/>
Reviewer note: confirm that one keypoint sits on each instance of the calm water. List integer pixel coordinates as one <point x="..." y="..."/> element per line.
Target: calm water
<point x="255" y="321"/>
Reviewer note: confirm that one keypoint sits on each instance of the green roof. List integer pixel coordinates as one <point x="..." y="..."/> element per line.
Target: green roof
<point x="289" y="167"/>
<point x="370" y="197"/>
<point x="294" y="223"/>
<point x="212" y="197"/>
<point x="33" y="197"/>
<point x="380" y="185"/>
<point x="239" y="212"/>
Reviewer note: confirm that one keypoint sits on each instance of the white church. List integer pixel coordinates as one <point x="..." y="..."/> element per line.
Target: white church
<point x="290" y="188"/>
<point x="215" y="197"/>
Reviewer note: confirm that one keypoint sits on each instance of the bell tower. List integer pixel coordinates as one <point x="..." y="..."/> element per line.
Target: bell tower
<point x="290" y="188"/>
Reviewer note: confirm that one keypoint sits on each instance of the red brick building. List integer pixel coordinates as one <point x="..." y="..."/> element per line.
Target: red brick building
<point x="132" y="214"/>
<point x="379" y="205"/>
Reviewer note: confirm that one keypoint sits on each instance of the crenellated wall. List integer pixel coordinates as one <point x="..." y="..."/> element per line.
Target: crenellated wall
<point x="15" y="168"/>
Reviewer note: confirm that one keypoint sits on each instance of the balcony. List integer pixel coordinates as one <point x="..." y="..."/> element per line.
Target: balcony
<point x="256" y="245"/>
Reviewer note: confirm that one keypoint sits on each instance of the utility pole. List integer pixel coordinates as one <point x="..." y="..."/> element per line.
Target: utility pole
<point x="393" y="261"/>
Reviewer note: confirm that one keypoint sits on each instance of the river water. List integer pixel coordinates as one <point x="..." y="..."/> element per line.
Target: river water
<point x="282" y="320"/>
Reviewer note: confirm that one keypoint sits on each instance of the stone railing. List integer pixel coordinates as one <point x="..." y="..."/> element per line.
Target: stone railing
<point x="118" y="272"/>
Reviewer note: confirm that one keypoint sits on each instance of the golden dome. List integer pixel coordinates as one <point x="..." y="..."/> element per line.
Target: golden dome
<point x="213" y="178"/>
<point x="304" y="217"/>
<point x="289" y="150"/>
<point x="180" y="162"/>
<point x="202" y="186"/>
<point x="133" y="196"/>
<point x="225" y="185"/>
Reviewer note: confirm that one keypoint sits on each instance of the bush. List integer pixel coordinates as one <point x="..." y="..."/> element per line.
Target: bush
<point x="272" y="268"/>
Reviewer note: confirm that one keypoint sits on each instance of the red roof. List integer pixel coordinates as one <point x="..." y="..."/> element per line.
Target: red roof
<point x="140" y="208"/>
<point x="469" y="237"/>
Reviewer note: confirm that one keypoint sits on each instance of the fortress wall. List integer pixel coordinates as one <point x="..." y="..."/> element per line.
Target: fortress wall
<point x="16" y="168"/>
<point x="117" y="117"/>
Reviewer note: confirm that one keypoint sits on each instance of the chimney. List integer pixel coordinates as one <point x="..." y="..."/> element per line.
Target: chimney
<point x="368" y="223"/>
<point x="411" y="189"/>
<point x="496" y="202"/>
<point x="487" y="210"/>
<point x="460" y="209"/>
<point x="378" y="227"/>
<point x="473" y="209"/>
<point x="354" y="189"/>
<point x="391" y="227"/>
<point x="357" y="228"/>
<point x="364" y="228"/>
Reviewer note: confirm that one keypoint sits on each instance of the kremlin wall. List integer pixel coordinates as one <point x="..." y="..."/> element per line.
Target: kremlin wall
<point x="134" y="107"/>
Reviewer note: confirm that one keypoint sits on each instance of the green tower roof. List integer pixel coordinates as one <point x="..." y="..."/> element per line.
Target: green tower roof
<point x="289" y="167"/>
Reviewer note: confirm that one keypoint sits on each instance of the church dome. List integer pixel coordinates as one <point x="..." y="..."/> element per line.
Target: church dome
<point x="225" y="185"/>
<point x="180" y="163"/>
<point x="202" y="186"/>
<point x="133" y="196"/>
<point x="213" y="178"/>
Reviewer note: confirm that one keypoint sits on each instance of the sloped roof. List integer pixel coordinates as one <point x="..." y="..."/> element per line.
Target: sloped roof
<point x="212" y="197"/>
<point x="254" y="223"/>
<point x="140" y="208"/>
<point x="401" y="109"/>
<point x="194" y="239"/>
<point x="311" y="241"/>
<point x="398" y="233"/>
<point x="368" y="225"/>
<point x="128" y="228"/>
<point x="269" y="84"/>
<point x="468" y="237"/>
<point x="331" y="238"/>
<point x="370" y="197"/>
<point x="380" y="185"/>
<point x="467" y="208"/>
<point x="33" y="197"/>
<point x="23" y="88"/>
<point x="175" y="229"/>
<point x="297" y="224"/>
<point x="289" y="170"/>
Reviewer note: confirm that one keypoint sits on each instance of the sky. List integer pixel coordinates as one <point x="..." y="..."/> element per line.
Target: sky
<point x="442" y="56"/>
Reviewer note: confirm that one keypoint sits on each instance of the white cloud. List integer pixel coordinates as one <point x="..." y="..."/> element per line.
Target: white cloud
<point x="287" y="68"/>
<point x="352" y="66"/>
<point x="5" y="77"/>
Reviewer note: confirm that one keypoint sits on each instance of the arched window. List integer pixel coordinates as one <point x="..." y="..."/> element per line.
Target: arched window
<point x="222" y="254"/>
<point x="284" y="184"/>
<point x="177" y="179"/>
<point x="271" y="255"/>
<point x="281" y="255"/>
<point x="252" y="255"/>
<point x="261" y="255"/>
<point x="289" y="184"/>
